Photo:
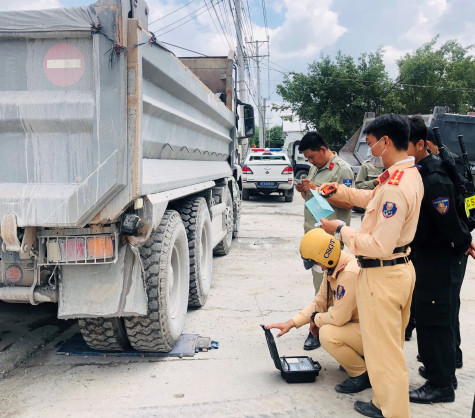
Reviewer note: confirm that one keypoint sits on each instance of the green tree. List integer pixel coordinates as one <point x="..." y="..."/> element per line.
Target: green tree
<point x="274" y="137"/>
<point x="437" y="77"/>
<point x="334" y="94"/>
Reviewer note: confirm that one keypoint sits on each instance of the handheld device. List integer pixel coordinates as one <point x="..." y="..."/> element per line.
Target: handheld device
<point x="328" y="190"/>
<point x="298" y="181"/>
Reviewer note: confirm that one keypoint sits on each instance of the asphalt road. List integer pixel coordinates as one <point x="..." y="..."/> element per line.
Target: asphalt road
<point x="262" y="280"/>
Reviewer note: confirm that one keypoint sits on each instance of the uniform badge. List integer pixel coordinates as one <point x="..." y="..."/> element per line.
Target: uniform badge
<point x="347" y="182"/>
<point x="441" y="205"/>
<point x="389" y="209"/>
<point x="340" y="292"/>
<point x="383" y="177"/>
<point x="330" y="167"/>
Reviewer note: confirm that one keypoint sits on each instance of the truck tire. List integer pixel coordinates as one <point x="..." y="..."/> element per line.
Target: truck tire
<point x="300" y="173"/>
<point x="289" y="195"/>
<point x="195" y="217"/>
<point x="166" y="265"/>
<point x="104" y="334"/>
<point x="245" y="194"/>
<point x="224" y="246"/>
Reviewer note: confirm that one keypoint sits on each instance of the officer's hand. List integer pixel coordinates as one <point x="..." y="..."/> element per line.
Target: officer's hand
<point x="314" y="329"/>
<point x="299" y="188"/>
<point x="284" y="327"/>
<point x="327" y="184"/>
<point x="471" y="250"/>
<point x="329" y="226"/>
<point x="308" y="184"/>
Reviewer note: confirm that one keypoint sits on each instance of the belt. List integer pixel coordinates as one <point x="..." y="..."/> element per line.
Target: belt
<point x="372" y="262"/>
<point x="402" y="249"/>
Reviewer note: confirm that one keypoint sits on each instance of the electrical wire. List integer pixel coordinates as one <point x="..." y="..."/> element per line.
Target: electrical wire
<point x="174" y="11"/>
<point x="189" y="20"/>
<point x="186" y="49"/>
<point x="217" y="30"/>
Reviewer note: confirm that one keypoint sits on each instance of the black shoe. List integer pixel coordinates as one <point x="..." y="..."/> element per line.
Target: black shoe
<point x="430" y="394"/>
<point x="458" y="364"/>
<point x="423" y="373"/>
<point x="368" y="409"/>
<point x="311" y="343"/>
<point x="419" y="358"/>
<point x="354" y="384"/>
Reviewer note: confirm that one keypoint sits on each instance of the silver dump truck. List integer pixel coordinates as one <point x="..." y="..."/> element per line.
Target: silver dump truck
<point x="355" y="151"/>
<point x="116" y="173"/>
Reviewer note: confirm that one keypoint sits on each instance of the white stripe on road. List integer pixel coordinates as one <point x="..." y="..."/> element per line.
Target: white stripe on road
<point x="68" y="63"/>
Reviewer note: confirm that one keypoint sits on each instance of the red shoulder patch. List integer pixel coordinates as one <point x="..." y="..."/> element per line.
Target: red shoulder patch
<point x="383" y="177"/>
<point x="330" y="167"/>
<point x="396" y="177"/>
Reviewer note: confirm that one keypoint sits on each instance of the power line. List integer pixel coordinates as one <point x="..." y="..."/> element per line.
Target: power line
<point x="189" y="20"/>
<point x="214" y="23"/>
<point x="468" y="89"/>
<point x="186" y="49"/>
<point x="174" y="11"/>
<point x="221" y="25"/>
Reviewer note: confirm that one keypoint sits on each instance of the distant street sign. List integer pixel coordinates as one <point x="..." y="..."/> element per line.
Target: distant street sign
<point x="64" y="64"/>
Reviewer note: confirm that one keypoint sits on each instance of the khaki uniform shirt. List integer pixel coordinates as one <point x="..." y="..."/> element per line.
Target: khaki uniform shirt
<point x="341" y="298"/>
<point x="335" y="170"/>
<point x="368" y="172"/>
<point x="392" y="212"/>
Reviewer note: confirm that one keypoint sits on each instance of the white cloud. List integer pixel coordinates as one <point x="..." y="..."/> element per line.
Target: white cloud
<point x="29" y="4"/>
<point x="391" y="55"/>
<point x="428" y="13"/>
<point x="308" y="27"/>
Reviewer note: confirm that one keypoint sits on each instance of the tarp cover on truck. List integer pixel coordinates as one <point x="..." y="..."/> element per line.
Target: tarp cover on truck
<point x="85" y="128"/>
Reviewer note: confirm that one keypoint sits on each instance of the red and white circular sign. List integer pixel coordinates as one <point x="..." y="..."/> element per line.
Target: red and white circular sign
<point x="64" y="64"/>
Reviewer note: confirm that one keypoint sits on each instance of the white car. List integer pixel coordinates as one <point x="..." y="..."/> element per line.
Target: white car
<point x="267" y="170"/>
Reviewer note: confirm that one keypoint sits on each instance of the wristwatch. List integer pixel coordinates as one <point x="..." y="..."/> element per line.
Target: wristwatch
<point x="312" y="318"/>
<point x="337" y="233"/>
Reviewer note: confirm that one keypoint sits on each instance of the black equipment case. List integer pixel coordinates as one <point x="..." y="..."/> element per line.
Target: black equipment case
<point x="299" y="369"/>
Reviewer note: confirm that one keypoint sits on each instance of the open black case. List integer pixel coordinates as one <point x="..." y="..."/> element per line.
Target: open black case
<point x="299" y="369"/>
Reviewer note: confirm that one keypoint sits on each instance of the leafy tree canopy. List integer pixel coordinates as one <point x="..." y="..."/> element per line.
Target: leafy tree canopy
<point x="438" y="77"/>
<point x="335" y="93"/>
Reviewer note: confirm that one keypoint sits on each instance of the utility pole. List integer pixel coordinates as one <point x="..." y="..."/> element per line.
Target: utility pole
<point x="259" y="104"/>
<point x="264" y="120"/>
<point x="241" y="93"/>
<point x="240" y="61"/>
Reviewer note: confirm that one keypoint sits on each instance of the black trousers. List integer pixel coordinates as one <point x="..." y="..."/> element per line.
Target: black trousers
<point x="436" y="337"/>
<point x="456" y="306"/>
<point x="436" y="303"/>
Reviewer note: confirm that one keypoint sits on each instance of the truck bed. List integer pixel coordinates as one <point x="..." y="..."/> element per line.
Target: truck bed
<point x="86" y="129"/>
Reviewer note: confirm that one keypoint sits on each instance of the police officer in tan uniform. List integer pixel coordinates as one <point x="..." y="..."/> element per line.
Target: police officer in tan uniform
<point x="332" y="313"/>
<point x="326" y="167"/>
<point x="387" y="276"/>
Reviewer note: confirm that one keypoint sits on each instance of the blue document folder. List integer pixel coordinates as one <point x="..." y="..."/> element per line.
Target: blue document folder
<point x="318" y="206"/>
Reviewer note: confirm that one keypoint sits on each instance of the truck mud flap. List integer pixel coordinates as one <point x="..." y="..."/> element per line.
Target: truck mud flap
<point x="106" y="290"/>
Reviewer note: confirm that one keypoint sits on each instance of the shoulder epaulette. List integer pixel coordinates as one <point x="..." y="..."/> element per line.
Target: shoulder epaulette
<point x="396" y="177"/>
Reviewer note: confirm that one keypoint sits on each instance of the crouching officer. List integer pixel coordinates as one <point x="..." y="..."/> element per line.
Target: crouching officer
<point x="332" y="314"/>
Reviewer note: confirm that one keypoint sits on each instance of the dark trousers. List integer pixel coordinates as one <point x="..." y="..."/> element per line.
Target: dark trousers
<point x="437" y="302"/>
<point x="436" y="338"/>
<point x="456" y="305"/>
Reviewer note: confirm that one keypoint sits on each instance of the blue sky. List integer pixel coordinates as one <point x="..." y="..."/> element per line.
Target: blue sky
<point x="300" y="31"/>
